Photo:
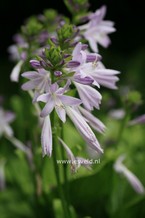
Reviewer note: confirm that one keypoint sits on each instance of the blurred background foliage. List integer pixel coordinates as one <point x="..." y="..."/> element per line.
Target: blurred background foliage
<point x="102" y="192"/>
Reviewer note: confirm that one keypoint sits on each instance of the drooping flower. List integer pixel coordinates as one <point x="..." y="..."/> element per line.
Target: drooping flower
<point x="46" y="137"/>
<point x="16" y="71"/>
<point x="100" y="75"/>
<point x="93" y="121"/>
<point x="6" y="117"/>
<point x="132" y="179"/>
<point x="90" y="97"/>
<point x="96" y="30"/>
<point x="84" y="129"/>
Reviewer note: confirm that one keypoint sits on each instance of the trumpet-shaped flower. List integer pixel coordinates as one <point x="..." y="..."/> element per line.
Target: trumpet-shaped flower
<point x="132" y="179"/>
<point x="90" y="97"/>
<point x="89" y="70"/>
<point x="16" y="71"/>
<point x="46" y="137"/>
<point x="93" y="121"/>
<point x="55" y="99"/>
<point x="96" y="30"/>
<point x="100" y="75"/>
<point x="84" y="129"/>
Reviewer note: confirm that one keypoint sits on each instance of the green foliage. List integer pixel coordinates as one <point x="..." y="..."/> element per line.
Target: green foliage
<point x="32" y="27"/>
<point x="133" y="98"/>
<point x="53" y="54"/>
<point x="77" y="6"/>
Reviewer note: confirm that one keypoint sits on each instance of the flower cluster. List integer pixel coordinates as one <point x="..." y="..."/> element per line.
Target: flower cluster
<point x="64" y="65"/>
<point x="82" y="72"/>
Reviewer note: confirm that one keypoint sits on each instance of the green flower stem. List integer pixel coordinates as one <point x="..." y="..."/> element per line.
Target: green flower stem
<point x="65" y="175"/>
<point x="57" y="172"/>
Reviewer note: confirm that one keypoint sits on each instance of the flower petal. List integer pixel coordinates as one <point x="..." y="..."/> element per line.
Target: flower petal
<point x="32" y="84"/>
<point x="84" y="129"/>
<point x="46" y="137"/>
<point x="16" y="71"/>
<point x="47" y="108"/>
<point x="132" y="179"/>
<point x="44" y="97"/>
<point x="93" y="121"/>
<point x="61" y="112"/>
<point x="68" y="100"/>
<point x="30" y="75"/>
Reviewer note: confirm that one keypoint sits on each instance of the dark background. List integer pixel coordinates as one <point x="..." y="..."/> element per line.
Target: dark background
<point x="125" y="52"/>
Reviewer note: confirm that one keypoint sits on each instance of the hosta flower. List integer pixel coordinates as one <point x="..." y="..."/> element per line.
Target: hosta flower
<point x="89" y="70"/>
<point x="81" y="60"/>
<point x="46" y="137"/>
<point x="93" y="121"/>
<point x="84" y="129"/>
<point x="100" y="75"/>
<point x="6" y="118"/>
<point x="55" y="99"/>
<point x="39" y="82"/>
<point x="16" y="71"/>
<point x="132" y="179"/>
<point x="96" y="30"/>
<point x="90" y="97"/>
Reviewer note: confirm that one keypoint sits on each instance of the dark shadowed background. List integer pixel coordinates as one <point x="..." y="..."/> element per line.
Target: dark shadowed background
<point x="127" y="52"/>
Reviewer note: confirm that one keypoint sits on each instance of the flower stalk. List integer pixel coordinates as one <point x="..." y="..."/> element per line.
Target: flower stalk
<point x="56" y="169"/>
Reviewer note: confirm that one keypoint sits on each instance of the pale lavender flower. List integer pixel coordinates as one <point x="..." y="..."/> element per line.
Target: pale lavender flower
<point x="90" y="97"/>
<point x="6" y="118"/>
<point x="16" y="71"/>
<point x="105" y="77"/>
<point x="79" y="55"/>
<point x="96" y="30"/>
<point x="55" y="99"/>
<point x="46" y="137"/>
<point x="70" y="156"/>
<point x="80" y="61"/>
<point x="132" y="179"/>
<point x="93" y="121"/>
<point x="100" y="75"/>
<point x="89" y="70"/>
<point x="39" y="82"/>
<point x="138" y="120"/>
<point x="84" y="129"/>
